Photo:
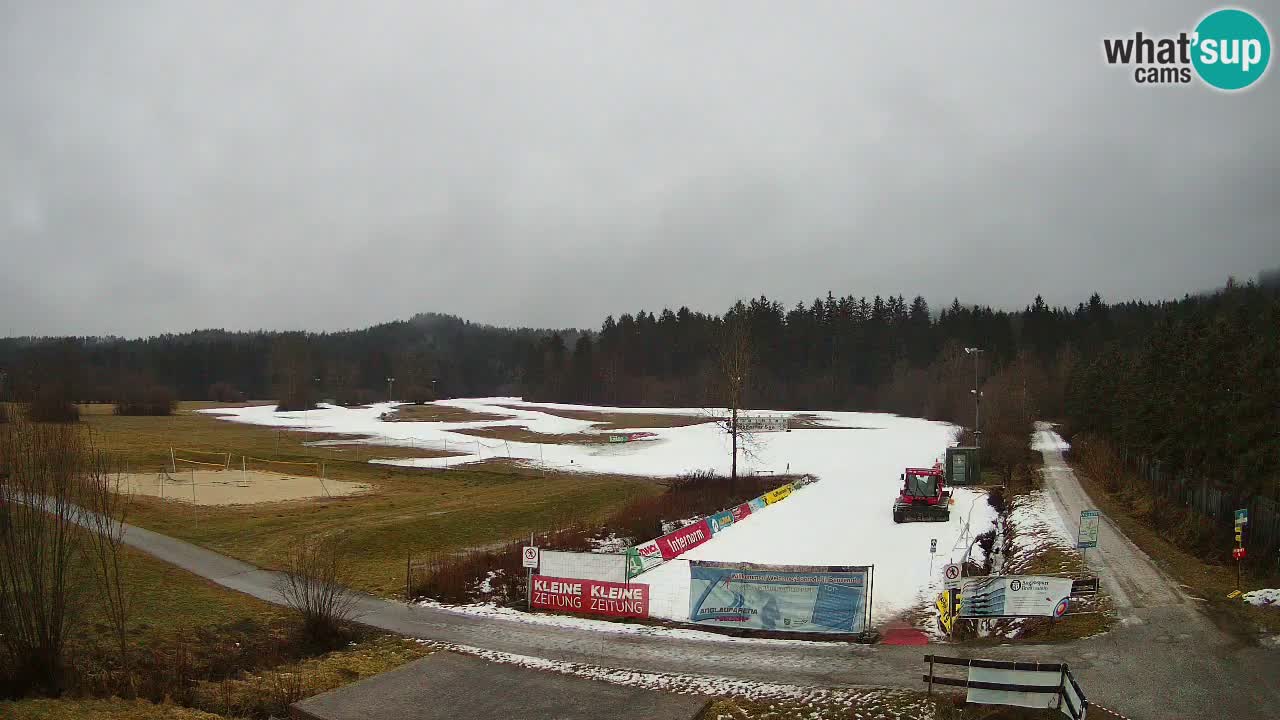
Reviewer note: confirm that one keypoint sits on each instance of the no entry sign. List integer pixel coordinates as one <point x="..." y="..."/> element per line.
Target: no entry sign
<point x="951" y="576"/>
<point x="529" y="556"/>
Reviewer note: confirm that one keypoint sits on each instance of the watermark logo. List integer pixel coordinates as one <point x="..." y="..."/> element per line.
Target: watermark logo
<point x="1229" y="49"/>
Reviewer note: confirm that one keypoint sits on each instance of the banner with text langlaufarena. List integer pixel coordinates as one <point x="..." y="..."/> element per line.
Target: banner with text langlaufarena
<point x="793" y="598"/>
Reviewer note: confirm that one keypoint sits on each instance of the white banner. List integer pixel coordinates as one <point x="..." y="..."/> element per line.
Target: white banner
<point x="759" y="423"/>
<point x="1014" y="596"/>
<point x="583" y="566"/>
<point x="1047" y="699"/>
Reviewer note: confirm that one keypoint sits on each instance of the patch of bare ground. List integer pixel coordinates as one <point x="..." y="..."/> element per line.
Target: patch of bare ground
<point x="440" y="413"/>
<point x="622" y="420"/>
<point x="813" y="421"/>
<point x="363" y="447"/>
<point x="521" y="433"/>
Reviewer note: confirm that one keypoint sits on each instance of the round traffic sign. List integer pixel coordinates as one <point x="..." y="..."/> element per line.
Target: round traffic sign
<point x="951" y="571"/>
<point x="530" y="553"/>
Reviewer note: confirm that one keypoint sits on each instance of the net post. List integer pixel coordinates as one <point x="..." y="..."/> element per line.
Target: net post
<point x="870" y="597"/>
<point x="528" y="591"/>
<point x="173" y="460"/>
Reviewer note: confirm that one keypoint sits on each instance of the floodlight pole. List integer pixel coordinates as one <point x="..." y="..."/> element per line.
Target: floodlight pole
<point x="977" y="396"/>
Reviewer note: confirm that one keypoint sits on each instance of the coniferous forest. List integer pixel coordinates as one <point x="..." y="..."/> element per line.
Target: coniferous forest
<point x="1194" y="383"/>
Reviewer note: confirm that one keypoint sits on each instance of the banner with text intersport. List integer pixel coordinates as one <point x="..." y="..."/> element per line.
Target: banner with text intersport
<point x="646" y="556"/>
<point x="592" y="597"/>
<point x="792" y="598"/>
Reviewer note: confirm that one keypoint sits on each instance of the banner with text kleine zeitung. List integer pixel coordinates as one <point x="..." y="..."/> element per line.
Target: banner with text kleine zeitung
<point x="591" y="597"/>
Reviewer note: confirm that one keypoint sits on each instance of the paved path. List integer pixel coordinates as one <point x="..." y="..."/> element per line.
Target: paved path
<point x="1170" y="659"/>
<point x="1164" y="661"/>
<point x="463" y="686"/>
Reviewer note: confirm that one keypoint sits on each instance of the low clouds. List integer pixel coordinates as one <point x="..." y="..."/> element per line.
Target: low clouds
<point x="165" y="166"/>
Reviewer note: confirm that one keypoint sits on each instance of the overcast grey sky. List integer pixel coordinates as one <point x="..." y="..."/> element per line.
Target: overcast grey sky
<point x="172" y="165"/>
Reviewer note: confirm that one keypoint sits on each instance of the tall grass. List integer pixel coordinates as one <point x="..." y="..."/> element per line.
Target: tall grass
<point x="1181" y="525"/>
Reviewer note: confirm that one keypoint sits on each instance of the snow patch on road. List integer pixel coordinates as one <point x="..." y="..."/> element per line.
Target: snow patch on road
<point x="909" y="704"/>
<point x="489" y="610"/>
<point x="1035" y="524"/>
<point x="1047" y="439"/>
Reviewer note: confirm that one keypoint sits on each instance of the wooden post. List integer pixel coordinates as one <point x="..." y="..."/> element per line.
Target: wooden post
<point x="931" y="675"/>
<point x="408" y="569"/>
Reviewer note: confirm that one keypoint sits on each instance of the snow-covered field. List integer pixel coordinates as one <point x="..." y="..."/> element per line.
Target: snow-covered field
<point x="844" y="519"/>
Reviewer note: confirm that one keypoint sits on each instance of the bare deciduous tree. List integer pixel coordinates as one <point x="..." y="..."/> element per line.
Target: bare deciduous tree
<point x="107" y="505"/>
<point x="733" y="373"/>
<point x="313" y="584"/>
<point x="41" y="588"/>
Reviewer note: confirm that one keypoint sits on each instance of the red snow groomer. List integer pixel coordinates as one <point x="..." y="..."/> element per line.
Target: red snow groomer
<point x="924" y="497"/>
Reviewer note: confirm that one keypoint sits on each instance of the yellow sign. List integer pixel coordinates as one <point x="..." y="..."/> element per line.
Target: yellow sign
<point x="945" y="618"/>
<point x="777" y="495"/>
<point x="1233" y="593"/>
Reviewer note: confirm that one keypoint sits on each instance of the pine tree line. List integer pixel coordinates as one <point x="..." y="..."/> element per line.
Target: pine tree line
<point x="1191" y="382"/>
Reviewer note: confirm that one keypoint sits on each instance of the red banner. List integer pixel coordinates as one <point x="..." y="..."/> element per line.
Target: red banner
<point x="740" y="512"/>
<point x="592" y="597"/>
<point x="685" y="539"/>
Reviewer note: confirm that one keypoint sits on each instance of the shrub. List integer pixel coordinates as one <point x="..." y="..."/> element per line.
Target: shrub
<point x="297" y="397"/>
<point x="225" y="392"/>
<point x="136" y="399"/>
<point x="41" y="552"/>
<point x="52" y="403"/>
<point x="313" y="585"/>
<point x="995" y="499"/>
<point x="495" y="574"/>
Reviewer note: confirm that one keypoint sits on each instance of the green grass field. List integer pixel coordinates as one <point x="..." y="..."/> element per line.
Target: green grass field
<point x="167" y="598"/>
<point x="409" y="511"/>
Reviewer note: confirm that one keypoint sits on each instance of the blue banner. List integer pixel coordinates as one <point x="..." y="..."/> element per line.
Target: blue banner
<point x="758" y="504"/>
<point x="720" y="521"/>
<point x="790" y="598"/>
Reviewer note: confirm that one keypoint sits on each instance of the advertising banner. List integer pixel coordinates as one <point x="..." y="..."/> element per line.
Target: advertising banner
<point x="591" y="597"/>
<point x="686" y="538"/>
<point x="643" y="557"/>
<point x="741" y="511"/>
<point x="984" y="694"/>
<point x="1014" y="596"/>
<point x="720" y="521"/>
<point x="1088" y="535"/>
<point x="584" y="566"/>
<point x="757" y="504"/>
<point x="759" y="423"/>
<point x="793" y="598"/>
<point x="778" y="494"/>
